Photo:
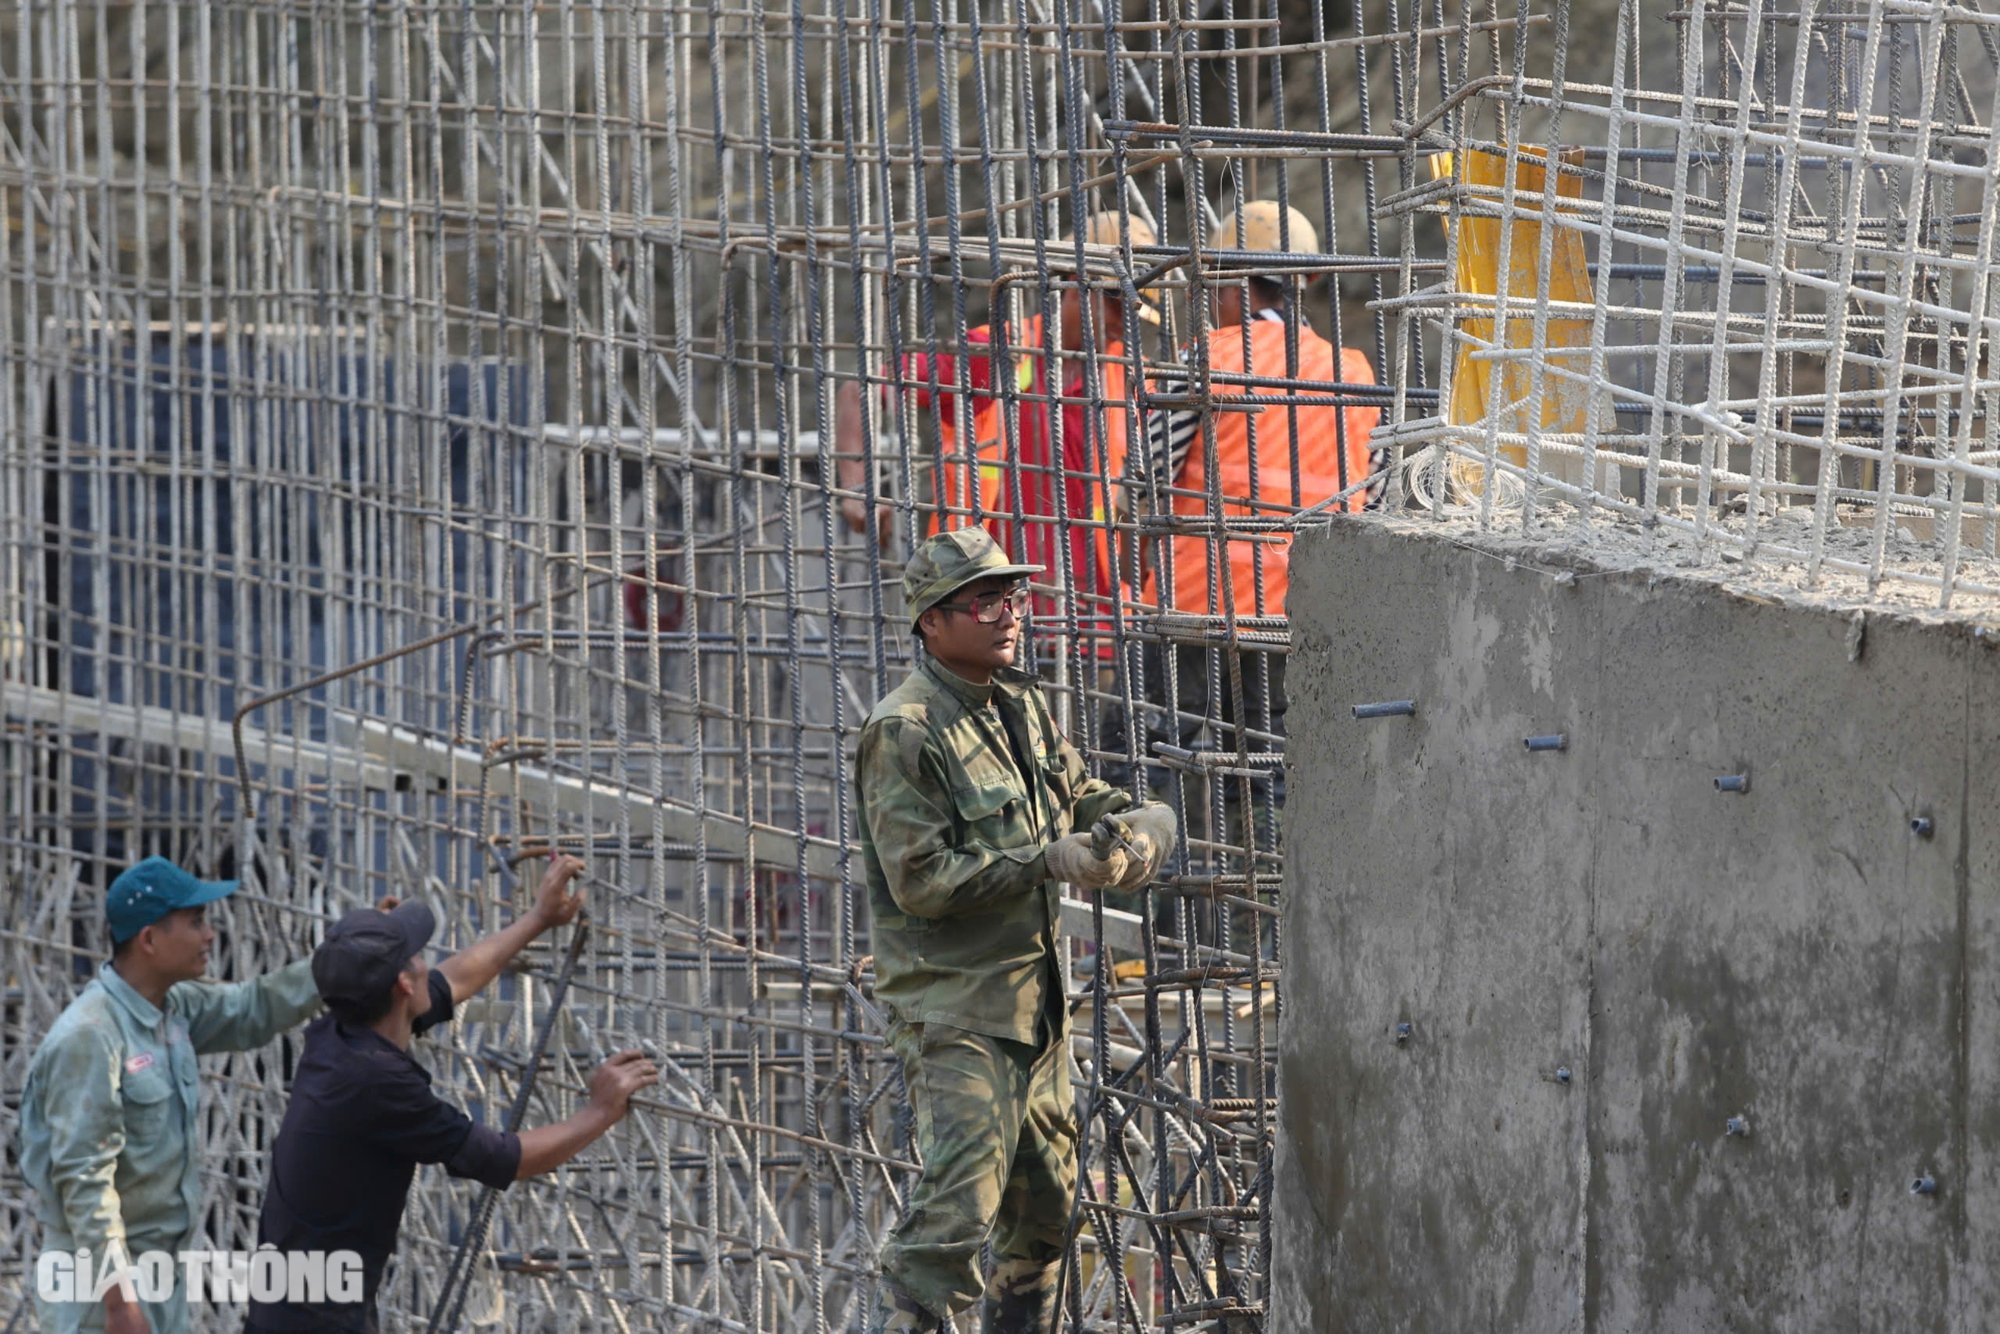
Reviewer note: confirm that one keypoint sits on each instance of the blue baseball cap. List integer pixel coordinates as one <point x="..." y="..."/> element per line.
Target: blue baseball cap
<point x="143" y="894"/>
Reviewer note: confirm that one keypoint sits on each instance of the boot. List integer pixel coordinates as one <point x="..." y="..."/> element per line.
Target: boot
<point x="896" y="1312"/>
<point x="1020" y="1299"/>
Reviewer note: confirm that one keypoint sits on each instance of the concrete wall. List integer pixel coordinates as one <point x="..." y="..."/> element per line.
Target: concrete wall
<point x="1794" y="955"/>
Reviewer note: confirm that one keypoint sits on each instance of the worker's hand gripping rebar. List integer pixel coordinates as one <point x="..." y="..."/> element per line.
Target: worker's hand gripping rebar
<point x="1109" y="833"/>
<point x="458" y="1278"/>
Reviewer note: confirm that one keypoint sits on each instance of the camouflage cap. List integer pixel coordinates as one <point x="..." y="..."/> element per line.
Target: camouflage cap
<point x="947" y="562"/>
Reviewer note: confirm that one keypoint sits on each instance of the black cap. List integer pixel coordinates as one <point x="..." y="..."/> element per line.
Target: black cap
<point x="366" y="950"/>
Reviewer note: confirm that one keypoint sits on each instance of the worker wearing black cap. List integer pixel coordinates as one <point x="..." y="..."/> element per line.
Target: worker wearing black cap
<point x="362" y="1113"/>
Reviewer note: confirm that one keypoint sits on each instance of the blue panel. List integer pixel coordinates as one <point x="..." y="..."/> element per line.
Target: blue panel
<point x="191" y="436"/>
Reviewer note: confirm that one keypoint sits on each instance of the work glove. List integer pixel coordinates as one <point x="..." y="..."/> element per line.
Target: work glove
<point x="1149" y="832"/>
<point x="1071" y="858"/>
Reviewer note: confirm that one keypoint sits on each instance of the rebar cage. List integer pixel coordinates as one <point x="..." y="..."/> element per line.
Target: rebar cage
<point x="435" y="434"/>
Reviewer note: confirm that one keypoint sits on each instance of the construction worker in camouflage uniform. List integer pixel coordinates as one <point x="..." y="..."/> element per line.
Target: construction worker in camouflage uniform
<point x="974" y="809"/>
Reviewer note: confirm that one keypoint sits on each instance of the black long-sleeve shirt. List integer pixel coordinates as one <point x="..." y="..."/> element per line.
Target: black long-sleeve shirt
<point x="362" y="1116"/>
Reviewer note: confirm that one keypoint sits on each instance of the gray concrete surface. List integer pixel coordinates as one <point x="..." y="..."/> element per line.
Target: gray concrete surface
<point x="1793" y="955"/>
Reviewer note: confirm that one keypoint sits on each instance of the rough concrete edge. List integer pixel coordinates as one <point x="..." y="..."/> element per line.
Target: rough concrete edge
<point x="1563" y="552"/>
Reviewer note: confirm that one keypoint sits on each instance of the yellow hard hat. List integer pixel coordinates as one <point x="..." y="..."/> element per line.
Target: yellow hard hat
<point x="1256" y="226"/>
<point x="1105" y="228"/>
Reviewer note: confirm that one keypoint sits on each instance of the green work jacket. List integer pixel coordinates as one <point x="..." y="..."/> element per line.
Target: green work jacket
<point x="109" y="1131"/>
<point x="967" y="923"/>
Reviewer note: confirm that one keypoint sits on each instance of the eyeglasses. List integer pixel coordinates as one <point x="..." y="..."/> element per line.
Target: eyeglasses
<point x="986" y="608"/>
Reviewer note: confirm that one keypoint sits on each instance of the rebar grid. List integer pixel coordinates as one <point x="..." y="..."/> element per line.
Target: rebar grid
<point x="421" y="450"/>
<point x="1748" y="307"/>
<point x="420" y="419"/>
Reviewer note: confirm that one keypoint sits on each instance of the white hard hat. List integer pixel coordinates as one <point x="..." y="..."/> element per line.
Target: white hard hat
<point x="1107" y="229"/>
<point x="1262" y="224"/>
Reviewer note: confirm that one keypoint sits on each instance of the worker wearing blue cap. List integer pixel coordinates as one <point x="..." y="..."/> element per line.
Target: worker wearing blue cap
<point x="108" y="1131"/>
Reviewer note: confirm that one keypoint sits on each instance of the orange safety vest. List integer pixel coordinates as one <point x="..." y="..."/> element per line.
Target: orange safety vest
<point x="1276" y="488"/>
<point x="1114" y="423"/>
<point x="984" y="459"/>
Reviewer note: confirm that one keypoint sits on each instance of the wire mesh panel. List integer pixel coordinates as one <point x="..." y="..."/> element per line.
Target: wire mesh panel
<point x="440" y="434"/>
<point x="433" y="435"/>
<point x="1744" y="299"/>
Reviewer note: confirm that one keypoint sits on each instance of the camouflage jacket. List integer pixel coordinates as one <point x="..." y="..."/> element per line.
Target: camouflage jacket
<point x="967" y="925"/>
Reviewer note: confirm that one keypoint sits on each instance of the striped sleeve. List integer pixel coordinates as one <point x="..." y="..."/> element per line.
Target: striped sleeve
<point x="1170" y="434"/>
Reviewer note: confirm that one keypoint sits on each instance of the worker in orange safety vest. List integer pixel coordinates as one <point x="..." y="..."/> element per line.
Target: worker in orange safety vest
<point x="1309" y="444"/>
<point x="1048" y="496"/>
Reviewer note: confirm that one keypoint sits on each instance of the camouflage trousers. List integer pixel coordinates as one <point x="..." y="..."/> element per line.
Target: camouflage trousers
<point x="996" y="1127"/>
